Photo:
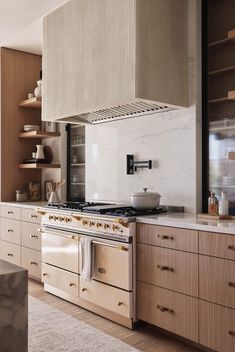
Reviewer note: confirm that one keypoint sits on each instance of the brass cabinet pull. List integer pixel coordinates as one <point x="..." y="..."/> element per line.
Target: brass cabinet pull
<point x="84" y="289"/>
<point x="231" y="247"/>
<point x="165" y="309"/>
<point x="71" y="284"/>
<point x="165" y="237"/>
<point x="32" y="216"/>
<point x="232" y="333"/>
<point x="101" y="270"/>
<point x="231" y="284"/>
<point x="10" y="255"/>
<point x="9" y="230"/>
<point x="120" y="303"/>
<point x="33" y="236"/>
<point x="44" y="274"/>
<point x="10" y="212"/>
<point x="164" y="268"/>
<point x="33" y="263"/>
<point x="76" y="238"/>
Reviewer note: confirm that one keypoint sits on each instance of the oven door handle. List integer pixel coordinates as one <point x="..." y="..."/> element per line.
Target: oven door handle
<point x="120" y="247"/>
<point x="72" y="237"/>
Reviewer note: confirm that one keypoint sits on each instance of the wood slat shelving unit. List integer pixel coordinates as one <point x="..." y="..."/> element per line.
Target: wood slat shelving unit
<point x="39" y="134"/>
<point x="225" y="41"/>
<point x="38" y="166"/>
<point x="32" y="103"/>
<point x="231" y="96"/>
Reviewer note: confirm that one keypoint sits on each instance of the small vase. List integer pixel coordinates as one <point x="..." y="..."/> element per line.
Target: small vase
<point x="40" y="152"/>
<point x="38" y="89"/>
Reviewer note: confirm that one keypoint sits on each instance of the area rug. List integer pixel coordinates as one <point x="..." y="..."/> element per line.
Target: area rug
<point x="51" y="330"/>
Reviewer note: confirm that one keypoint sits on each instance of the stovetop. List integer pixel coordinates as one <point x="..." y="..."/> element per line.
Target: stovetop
<point x="105" y="209"/>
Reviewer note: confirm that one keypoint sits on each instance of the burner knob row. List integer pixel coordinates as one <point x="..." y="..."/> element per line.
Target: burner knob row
<point x="59" y="218"/>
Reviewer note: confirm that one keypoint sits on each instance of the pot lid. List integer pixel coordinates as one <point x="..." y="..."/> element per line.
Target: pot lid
<point x="145" y="193"/>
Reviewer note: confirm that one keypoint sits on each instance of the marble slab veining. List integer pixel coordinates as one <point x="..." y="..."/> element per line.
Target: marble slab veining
<point x="13" y="308"/>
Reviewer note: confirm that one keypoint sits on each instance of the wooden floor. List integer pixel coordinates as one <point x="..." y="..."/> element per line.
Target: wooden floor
<point x="146" y="339"/>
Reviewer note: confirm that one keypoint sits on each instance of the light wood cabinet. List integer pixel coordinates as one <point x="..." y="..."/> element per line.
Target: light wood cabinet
<point x="169" y="237"/>
<point x="168" y="268"/>
<point x="217" y="327"/>
<point x="114" y="52"/>
<point x="217" y="245"/>
<point x="169" y="310"/>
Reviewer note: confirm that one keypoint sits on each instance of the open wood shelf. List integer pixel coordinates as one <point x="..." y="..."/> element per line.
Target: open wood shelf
<point x="229" y="69"/>
<point x="231" y="96"/>
<point x="225" y="41"/>
<point x="78" y="164"/>
<point x="38" y="166"/>
<point x="39" y="134"/>
<point x="78" y="145"/>
<point x="32" y="103"/>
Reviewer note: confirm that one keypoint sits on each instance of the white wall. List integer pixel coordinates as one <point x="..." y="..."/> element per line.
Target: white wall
<point x="171" y="140"/>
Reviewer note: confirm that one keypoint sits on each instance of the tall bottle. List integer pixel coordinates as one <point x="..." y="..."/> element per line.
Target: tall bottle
<point x="223" y="205"/>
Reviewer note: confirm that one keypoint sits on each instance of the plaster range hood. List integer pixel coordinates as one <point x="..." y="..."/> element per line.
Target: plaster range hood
<point x="129" y="59"/>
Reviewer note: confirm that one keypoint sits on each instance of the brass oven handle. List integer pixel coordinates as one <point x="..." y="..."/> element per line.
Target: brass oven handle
<point x="231" y="284"/>
<point x="165" y="309"/>
<point x="164" y="268"/>
<point x="231" y="247"/>
<point x="121" y="248"/>
<point x="165" y="237"/>
<point x="232" y="333"/>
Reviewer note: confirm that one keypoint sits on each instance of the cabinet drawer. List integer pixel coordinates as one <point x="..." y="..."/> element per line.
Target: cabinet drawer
<point x="11" y="230"/>
<point x="217" y="280"/>
<point x="31" y="237"/>
<point x="108" y="297"/>
<point x="61" y="279"/>
<point x="112" y="265"/>
<point x="169" y="310"/>
<point x="217" y="245"/>
<point x="11" y="212"/>
<point x="31" y="215"/>
<point x="60" y="251"/>
<point x="10" y="252"/>
<point x="168" y="268"/>
<point x="217" y="327"/>
<point x="31" y="260"/>
<point x="170" y="237"/>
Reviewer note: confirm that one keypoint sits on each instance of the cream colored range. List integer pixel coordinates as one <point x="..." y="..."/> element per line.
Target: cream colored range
<point x="20" y="240"/>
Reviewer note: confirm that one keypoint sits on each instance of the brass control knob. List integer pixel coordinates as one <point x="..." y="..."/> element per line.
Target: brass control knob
<point x="84" y="222"/>
<point x="98" y="224"/>
<point x="51" y="217"/>
<point x="91" y="223"/>
<point x="61" y="219"/>
<point x="115" y="227"/>
<point x="106" y="226"/>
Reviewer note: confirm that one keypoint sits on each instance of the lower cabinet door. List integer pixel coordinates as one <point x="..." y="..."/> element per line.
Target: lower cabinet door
<point x="31" y="260"/>
<point x="108" y="297"/>
<point x="61" y="279"/>
<point x="10" y="252"/>
<point x="169" y="310"/>
<point x="217" y="327"/>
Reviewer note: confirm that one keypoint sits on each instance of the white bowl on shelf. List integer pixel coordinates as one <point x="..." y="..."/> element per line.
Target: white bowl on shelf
<point x="28" y="128"/>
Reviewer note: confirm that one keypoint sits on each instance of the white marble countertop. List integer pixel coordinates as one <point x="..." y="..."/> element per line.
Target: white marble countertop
<point x="189" y="221"/>
<point x="25" y="204"/>
<point x="8" y="268"/>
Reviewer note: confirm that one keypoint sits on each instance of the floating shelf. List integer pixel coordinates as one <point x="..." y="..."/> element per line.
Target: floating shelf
<point x="39" y="134"/>
<point x="231" y="96"/>
<point x="221" y="71"/>
<point x="78" y="145"/>
<point x="78" y="164"/>
<point x="78" y="183"/>
<point x="32" y="103"/>
<point x="38" y="166"/>
<point x="222" y="129"/>
<point x="225" y="41"/>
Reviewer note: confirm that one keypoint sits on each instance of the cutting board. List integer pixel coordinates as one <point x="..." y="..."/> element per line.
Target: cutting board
<point x="216" y="217"/>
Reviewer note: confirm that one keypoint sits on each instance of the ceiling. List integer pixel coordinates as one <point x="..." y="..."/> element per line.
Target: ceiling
<point x="21" y="23"/>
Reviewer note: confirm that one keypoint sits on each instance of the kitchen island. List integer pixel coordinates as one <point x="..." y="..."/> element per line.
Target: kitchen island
<point x="13" y="308"/>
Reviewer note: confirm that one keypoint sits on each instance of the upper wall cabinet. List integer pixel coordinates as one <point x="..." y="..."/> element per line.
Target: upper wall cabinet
<point x="111" y="59"/>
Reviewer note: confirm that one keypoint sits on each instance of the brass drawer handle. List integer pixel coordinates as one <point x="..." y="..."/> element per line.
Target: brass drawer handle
<point x="165" y="309"/>
<point x="231" y="247"/>
<point x="33" y="263"/>
<point x="165" y="237"/>
<point x="101" y="270"/>
<point x="120" y="303"/>
<point x="44" y="274"/>
<point x="84" y="289"/>
<point x="10" y="212"/>
<point x="10" y="255"/>
<point x="232" y="333"/>
<point x="33" y="236"/>
<point x="164" y="268"/>
<point x="9" y="230"/>
<point x="32" y="216"/>
<point x="231" y="284"/>
<point x="71" y="284"/>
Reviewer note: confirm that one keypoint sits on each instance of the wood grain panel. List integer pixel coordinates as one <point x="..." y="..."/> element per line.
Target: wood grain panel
<point x="19" y="74"/>
<point x="170" y="237"/>
<point x="217" y="280"/>
<point x="169" y="310"/>
<point x="217" y="245"/>
<point x="217" y="327"/>
<point x="168" y="268"/>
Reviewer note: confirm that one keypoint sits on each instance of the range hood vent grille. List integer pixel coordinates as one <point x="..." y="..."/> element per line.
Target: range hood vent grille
<point x="121" y="112"/>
